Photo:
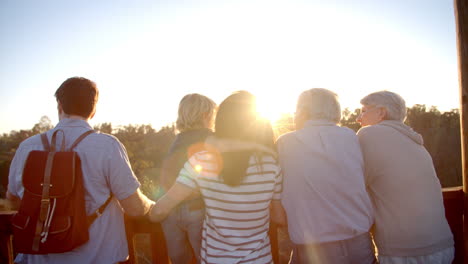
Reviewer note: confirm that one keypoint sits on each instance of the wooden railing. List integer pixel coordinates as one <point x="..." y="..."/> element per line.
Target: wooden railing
<point x="453" y="201"/>
<point x="134" y="226"/>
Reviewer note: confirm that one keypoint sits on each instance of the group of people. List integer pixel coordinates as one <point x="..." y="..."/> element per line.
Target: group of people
<point x="341" y="195"/>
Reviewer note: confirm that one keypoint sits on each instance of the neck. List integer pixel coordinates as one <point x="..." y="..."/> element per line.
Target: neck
<point x="63" y="116"/>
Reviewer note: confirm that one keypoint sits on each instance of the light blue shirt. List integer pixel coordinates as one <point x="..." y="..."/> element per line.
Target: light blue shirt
<point x="106" y="169"/>
<point x="324" y="193"/>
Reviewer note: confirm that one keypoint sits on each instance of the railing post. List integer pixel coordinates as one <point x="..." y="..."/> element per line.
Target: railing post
<point x="461" y="18"/>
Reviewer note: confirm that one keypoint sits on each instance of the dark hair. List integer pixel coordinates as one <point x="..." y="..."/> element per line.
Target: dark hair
<point x="78" y="96"/>
<point x="237" y="118"/>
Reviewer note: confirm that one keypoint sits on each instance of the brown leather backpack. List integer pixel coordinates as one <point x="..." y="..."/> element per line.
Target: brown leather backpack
<point x="52" y="215"/>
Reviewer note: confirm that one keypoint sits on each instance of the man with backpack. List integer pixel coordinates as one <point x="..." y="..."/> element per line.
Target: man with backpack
<point x="45" y="179"/>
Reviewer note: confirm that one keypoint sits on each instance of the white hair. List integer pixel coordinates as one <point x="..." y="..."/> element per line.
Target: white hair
<point x="320" y="103"/>
<point x="392" y="102"/>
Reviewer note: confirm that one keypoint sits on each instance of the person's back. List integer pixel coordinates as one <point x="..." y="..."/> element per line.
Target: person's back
<point x="324" y="193"/>
<point x="410" y="224"/>
<point x="406" y="192"/>
<point x="106" y="171"/>
<point x="237" y="217"/>
<point x="328" y="209"/>
<point x="109" y="228"/>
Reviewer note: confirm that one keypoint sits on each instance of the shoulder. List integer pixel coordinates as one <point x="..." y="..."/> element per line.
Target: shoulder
<point x="372" y="135"/>
<point x="346" y="131"/>
<point x="373" y="130"/>
<point x="185" y="139"/>
<point x="286" y="137"/>
<point x="104" y="138"/>
<point x="31" y="142"/>
<point x="102" y="141"/>
<point x="206" y="163"/>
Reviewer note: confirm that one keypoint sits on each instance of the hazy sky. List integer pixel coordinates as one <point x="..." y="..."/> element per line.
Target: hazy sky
<point x="145" y="55"/>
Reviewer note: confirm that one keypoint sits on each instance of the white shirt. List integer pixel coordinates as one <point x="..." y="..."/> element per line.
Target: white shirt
<point x="106" y="169"/>
<point x="324" y="193"/>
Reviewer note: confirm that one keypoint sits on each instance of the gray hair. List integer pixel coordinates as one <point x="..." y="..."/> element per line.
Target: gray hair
<point x="392" y="102"/>
<point x="192" y="109"/>
<point x="320" y="103"/>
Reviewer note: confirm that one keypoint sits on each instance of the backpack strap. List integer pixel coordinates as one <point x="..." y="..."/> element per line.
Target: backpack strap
<point x="45" y="142"/>
<point x="45" y="201"/>
<point x="99" y="211"/>
<point x="80" y="138"/>
<point x="53" y="146"/>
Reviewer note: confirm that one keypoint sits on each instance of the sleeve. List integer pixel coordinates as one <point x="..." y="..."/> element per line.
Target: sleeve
<point x="121" y="179"/>
<point x="278" y="189"/>
<point x="188" y="174"/>
<point x="15" y="185"/>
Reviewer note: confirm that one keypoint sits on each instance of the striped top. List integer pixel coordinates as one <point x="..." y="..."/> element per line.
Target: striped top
<point x="237" y="218"/>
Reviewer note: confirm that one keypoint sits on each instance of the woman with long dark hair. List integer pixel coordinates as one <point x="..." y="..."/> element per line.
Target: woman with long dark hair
<point x="240" y="182"/>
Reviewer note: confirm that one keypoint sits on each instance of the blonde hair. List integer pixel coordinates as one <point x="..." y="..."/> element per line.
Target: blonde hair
<point x="392" y="102"/>
<point x="320" y="103"/>
<point x="193" y="109"/>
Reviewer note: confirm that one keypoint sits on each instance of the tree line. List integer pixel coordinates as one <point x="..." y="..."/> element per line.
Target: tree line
<point x="146" y="146"/>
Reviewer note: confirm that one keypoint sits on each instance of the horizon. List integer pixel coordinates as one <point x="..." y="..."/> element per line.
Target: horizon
<point x="117" y="126"/>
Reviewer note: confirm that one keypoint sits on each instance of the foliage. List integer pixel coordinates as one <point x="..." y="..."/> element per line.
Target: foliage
<point x="146" y="147"/>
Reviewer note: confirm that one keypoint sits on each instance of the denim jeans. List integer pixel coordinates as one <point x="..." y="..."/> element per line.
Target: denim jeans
<point x="356" y="250"/>
<point x="182" y="231"/>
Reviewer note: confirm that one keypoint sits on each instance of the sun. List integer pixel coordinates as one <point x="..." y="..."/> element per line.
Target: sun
<point x="270" y="110"/>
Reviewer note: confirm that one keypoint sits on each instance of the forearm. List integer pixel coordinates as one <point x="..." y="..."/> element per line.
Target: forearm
<point x="136" y="204"/>
<point x="171" y="199"/>
<point x="162" y="208"/>
<point x="278" y="215"/>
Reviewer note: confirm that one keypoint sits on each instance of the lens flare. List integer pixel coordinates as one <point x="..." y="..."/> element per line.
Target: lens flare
<point x="198" y="168"/>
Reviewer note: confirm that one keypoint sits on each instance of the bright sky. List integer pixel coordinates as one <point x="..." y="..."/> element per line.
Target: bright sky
<point x="145" y="55"/>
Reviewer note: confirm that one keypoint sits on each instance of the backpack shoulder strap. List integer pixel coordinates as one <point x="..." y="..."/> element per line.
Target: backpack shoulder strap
<point x="80" y="138"/>
<point x="45" y="142"/>
<point x="90" y="218"/>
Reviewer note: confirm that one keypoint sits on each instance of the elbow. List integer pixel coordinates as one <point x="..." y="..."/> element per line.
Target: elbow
<point x="279" y="219"/>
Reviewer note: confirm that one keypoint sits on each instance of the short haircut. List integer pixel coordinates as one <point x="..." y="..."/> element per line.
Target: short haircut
<point x="319" y="103"/>
<point x="192" y="111"/>
<point x="78" y="96"/>
<point x="392" y="102"/>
